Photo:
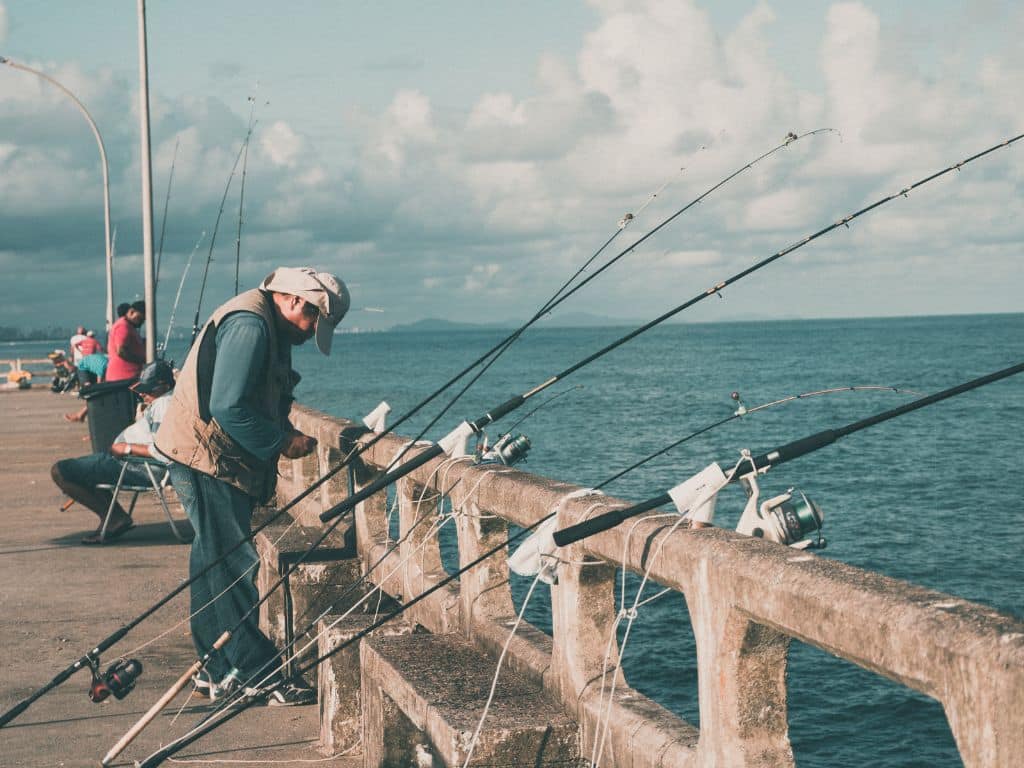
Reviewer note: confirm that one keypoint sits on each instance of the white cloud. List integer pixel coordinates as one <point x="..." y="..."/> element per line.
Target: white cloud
<point x="3" y="23"/>
<point x="505" y="192"/>
<point x="281" y="144"/>
<point x="481" y="277"/>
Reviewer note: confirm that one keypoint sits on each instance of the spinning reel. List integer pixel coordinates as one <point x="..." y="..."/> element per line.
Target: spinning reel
<point x="787" y="518"/>
<point x="118" y="680"/>
<point x="507" y="450"/>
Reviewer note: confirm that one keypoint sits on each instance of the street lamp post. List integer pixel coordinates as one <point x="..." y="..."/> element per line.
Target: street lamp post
<point x="146" y="162"/>
<point x="106" y="182"/>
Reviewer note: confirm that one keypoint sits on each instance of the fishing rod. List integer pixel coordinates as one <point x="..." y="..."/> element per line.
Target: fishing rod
<point x="241" y="196"/>
<point x="163" y="221"/>
<point x="213" y="239"/>
<point x="181" y="284"/>
<point x="754" y="465"/>
<point x="91" y="657"/>
<point x="741" y="411"/>
<point x="760" y="464"/>
<point x="451" y="443"/>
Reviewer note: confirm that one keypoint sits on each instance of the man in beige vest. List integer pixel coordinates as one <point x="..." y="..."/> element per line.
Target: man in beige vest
<point x="224" y="430"/>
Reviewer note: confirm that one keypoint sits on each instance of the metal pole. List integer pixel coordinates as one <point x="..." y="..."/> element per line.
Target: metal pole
<point x="146" y="161"/>
<point x="106" y="182"/>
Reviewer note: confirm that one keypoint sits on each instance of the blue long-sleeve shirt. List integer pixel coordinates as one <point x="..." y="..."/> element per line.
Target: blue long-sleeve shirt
<point x="243" y="349"/>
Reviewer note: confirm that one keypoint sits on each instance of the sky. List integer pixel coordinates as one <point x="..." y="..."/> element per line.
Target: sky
<point x="461" y="160"/>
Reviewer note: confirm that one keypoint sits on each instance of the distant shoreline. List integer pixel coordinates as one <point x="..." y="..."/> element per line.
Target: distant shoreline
<point x="434" y="325"/>
<point x="437" y="325"/>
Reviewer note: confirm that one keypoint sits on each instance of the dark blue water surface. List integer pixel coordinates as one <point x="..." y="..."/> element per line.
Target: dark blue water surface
<point x="933" y="497"/>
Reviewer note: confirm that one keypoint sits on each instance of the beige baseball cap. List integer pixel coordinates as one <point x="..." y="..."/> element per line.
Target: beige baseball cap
<point x="321" y="289"/>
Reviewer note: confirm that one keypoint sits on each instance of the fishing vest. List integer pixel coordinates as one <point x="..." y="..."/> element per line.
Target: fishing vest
<point x="191" y="436"/>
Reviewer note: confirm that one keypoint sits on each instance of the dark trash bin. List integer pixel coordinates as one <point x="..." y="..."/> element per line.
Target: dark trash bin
<point x="111" y="408"/>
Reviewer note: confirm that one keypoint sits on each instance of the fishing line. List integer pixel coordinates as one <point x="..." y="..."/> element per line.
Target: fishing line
<point x="632" y="614"/>
<point x="163" y="221"/>
<point x="181" y="284"/>
<point x="497" y="672"/>
<point x="447" y="464"/>
<point x="358" y="450"/>
<point x="744" y="411"/>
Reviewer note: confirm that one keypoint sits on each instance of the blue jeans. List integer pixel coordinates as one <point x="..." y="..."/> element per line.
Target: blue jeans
<point x="96" y="468"/>
<point x="220" y="515"/>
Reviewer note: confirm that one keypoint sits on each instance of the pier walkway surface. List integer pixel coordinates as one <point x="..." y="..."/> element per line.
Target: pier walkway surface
<point x="58" y="598"/>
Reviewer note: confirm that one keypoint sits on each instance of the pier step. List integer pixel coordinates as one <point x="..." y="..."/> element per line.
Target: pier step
<point x="338" y="677"/>
<point x="321" y="582"/>
<point x="423" y="696"/>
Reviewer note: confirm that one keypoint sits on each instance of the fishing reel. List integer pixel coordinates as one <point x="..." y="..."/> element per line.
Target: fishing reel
<point x="508" y="449"/>
<point x="786" y="519"/>
<point x="118" y="680"/>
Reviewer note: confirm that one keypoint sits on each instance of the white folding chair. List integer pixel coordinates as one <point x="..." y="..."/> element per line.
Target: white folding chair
<point x="159" y="478"/>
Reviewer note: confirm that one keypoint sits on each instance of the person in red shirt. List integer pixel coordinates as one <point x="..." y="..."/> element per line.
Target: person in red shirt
<point x="89" y="345"/>
<point x="124" y="345"/>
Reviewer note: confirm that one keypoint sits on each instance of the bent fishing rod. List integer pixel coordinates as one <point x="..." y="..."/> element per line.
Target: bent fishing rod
<point x="91" y="658"/>
<point x="241" y="192"/>
<point x="793" y="450"/>
<point x="451" y="442"/>
<point x="574" y="533"/>
<point x="163" y="220"/>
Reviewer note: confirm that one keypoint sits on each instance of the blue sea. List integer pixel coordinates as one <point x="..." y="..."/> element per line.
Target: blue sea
<point x="933" y="497"/>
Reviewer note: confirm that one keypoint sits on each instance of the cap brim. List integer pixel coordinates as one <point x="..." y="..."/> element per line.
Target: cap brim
<point x="324" y="334"/>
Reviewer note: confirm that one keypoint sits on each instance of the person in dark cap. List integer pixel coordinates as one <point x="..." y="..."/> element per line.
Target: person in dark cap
<point x="226" y="427"/>
<point x="79" y="477"/>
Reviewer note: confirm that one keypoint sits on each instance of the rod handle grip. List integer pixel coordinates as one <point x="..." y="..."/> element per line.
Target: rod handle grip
<point x="492" y="416"/>
<point x="607" y="520"/>
<point x="160" y="703"/>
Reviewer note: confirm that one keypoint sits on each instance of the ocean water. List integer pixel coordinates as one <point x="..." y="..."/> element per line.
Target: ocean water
<point x="932" y="497"/>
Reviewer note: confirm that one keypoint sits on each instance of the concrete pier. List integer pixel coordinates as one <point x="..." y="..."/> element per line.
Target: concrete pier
<point x="412" y="692"/>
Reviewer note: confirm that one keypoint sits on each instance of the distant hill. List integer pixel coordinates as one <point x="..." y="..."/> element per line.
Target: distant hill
<point x="584" y="320"/>
<point x="434" y="324"/>
<point x="570" y="320"/>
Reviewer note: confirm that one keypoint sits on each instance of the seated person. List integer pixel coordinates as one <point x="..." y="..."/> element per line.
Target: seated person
<point x="79" y="477"/>
<point x="91" y="370"/>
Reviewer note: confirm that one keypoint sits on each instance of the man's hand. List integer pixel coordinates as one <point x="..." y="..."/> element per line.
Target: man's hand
<point x="130" y="449"/>
<point x="297" y="445"/>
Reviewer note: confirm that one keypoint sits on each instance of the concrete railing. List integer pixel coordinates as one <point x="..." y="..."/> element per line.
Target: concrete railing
<point x="746" y="598"/>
